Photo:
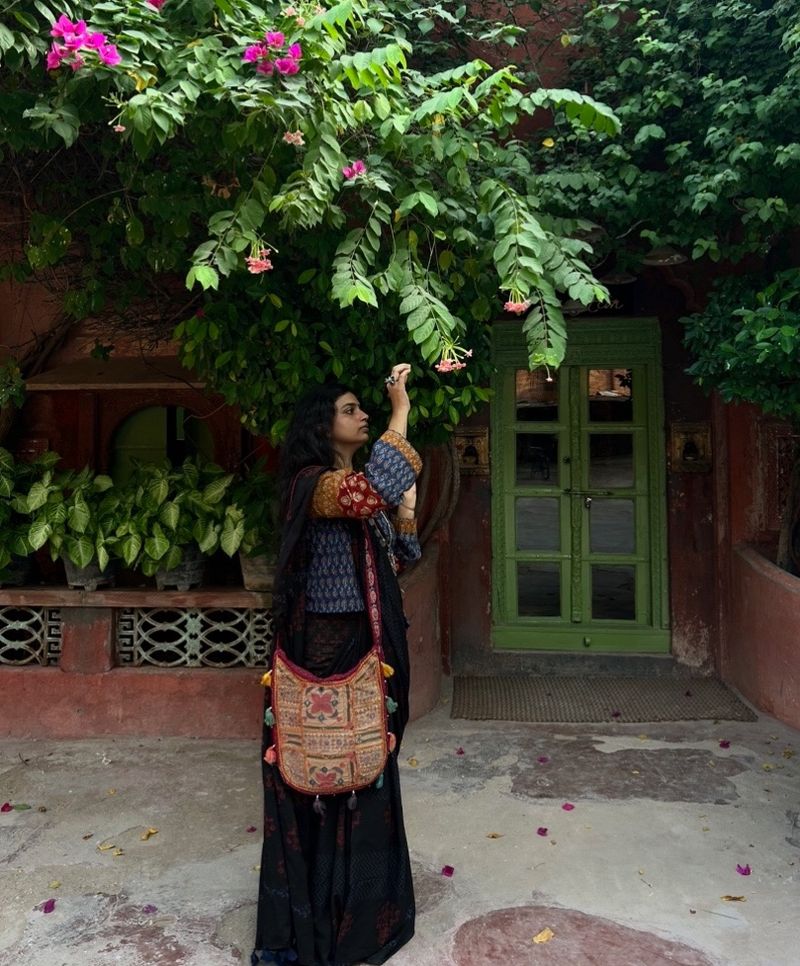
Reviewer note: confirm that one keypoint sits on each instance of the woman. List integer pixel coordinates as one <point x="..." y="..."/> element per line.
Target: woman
<point x="336" y="888"/>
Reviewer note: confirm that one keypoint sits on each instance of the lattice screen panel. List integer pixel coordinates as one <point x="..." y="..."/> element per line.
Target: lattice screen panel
<point x="30" y="635"/>
<point x="162" y="637"/>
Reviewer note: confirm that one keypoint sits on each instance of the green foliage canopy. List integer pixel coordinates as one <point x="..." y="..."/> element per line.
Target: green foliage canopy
<point x="205" y="156"/>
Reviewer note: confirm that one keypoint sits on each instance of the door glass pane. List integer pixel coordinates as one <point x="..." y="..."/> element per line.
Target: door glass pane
<point x="537" y="459"/>
<point x="537" y="523"/>
<point x="613" y="592"/>
<point x="610" y="460"/>
<point x="612" y="527"/>
<point x="610" y="394"/>
<point x="539" y="589"/>
<point x="536" y="396"/>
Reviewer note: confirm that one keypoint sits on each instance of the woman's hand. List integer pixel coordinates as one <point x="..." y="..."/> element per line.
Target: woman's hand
<point x="396" y="390"/>
<point x="396" y="386"/>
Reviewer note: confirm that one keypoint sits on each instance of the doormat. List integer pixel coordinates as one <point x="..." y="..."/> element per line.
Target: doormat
<point x="595" y="699"/>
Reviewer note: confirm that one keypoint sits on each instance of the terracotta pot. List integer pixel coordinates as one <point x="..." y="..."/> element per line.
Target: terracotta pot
<point x="258" y="573"/>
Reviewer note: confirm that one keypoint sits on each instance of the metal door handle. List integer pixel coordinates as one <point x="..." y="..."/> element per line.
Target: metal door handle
<point x="587" y="502"/>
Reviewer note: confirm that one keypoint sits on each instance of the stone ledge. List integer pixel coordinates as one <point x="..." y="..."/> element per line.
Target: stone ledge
<point x="124" y="597"/>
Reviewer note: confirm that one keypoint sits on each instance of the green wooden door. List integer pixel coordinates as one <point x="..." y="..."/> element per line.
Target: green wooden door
<point x="578" y="493"/>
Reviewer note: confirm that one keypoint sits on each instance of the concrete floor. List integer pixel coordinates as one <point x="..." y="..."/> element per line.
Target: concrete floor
<point x="633" y="875"/>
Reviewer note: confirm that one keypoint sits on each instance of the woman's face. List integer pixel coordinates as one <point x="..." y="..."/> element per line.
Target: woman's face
<point x="350" y="423"/>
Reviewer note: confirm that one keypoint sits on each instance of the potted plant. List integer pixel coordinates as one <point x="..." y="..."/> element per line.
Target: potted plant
<point x="76" y="514"/>
<point x="251" y="527"/>
<point x="16" y="481"/>
<point x="176" y="518"/>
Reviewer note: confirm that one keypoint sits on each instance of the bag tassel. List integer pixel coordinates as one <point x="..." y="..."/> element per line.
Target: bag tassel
<point x="270" y="755"/>
<point x="379" y="782"/>
<point x="319" y="807"/>
<point x="352" y="802"/>
<point x="391" y="704"/>
<point x="269" y="718"/>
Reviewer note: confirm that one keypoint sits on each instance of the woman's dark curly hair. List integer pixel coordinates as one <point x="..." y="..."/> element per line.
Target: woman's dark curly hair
<point x="308" y="440"/>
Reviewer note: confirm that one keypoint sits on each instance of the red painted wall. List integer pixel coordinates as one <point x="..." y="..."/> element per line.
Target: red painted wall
<point x="762" y="643"/>
<point x="760" y="604"/>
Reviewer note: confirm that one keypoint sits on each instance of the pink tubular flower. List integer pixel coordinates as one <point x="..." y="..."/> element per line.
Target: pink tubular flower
<point x="289" y="12"/>
<point x="294" y="137"/>
<point x="449" y="365"/>
<point x="300" y="21"/>
<point x="119" y="128"/>
<point x="516" y="307"/>
<point x="256" y="264"/>
<point x="275" y="39"/>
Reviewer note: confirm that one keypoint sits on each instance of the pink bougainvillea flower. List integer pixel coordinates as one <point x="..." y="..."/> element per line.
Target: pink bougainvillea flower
<point x="96" y="40"/>
<point x="109" y="55"/>
<point x="543" y="760"/>
<point x="460" y="751"/>
<point x="542" y="830"/>
<point x="295" y="50"/>
<point x="6" y="807"/>
<point x="54" y="57"/>
<point x="149" y="909"/>
<point x="47" y="906"/>
<point x="743" y="869"/>
<point x="448" y="870"/>
<point x="516" y="307"/>
<point x="77" y="62"/>
<point x="255" y="52"/>
<point x="158" y="4"/>
<point x="274" y="39"/>
<point x="568" y="807"/>
<point x="73" y="35"/>
<point x="294" y="137"/>
<point x="724" y="743"/>
<point x="265" y="67"/>
<point x="286" y="65"/>
<point x="256" y="264"/>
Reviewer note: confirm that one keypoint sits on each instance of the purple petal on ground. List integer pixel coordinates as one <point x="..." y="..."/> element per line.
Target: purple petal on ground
<point x="460" y="751"/>
<point x="6" y="807"/>
<point x="616" y="714"/>
<point x="543" y="760"/>
<point x="251" y="828"/>
<point x="149" y="909"/>
<point x="567" y="806"/>
<point x="724" y="743"/>
<point x="541" y="831"/>
<point x="448" y="870"/>
<point x="48" y="905"/>
<point x="743" y="869"/>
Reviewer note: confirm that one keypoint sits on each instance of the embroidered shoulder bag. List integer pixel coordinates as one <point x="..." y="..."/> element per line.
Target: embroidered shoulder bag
<point x="331" y="734"/>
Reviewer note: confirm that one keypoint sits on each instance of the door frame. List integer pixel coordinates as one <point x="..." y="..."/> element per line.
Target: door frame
<point x="600" y="343"/>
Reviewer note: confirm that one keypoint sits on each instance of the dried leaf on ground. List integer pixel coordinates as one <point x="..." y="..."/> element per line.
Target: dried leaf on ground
<point x="733" y="898"/>
<point x="544" y="936"/>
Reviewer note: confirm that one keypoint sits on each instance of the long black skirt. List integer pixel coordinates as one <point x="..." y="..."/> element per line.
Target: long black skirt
<point x="334" y="890"/>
